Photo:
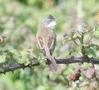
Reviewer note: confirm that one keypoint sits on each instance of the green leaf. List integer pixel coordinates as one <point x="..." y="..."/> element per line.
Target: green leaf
<point x="87" y="65"/>
<point x="91" y="51"/>
<point x="96" y="33"/>
<point x="2" y="58"/>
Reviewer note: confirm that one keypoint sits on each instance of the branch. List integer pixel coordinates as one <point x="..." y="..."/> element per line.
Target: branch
<point x="11" y="67"/>
<point x="77" y="60"/>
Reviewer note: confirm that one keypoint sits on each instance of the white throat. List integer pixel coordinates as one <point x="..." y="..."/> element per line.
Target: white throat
<point x="51" y="25"/>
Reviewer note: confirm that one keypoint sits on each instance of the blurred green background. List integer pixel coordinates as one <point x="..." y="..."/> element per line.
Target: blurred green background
<point x="19" y="22"/>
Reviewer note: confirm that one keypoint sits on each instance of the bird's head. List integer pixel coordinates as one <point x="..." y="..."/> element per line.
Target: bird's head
<point x="49" y="22"/>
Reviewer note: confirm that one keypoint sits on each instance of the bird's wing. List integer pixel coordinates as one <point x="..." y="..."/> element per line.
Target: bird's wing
<point x="40" y="42"/>
<point x="52" y="43"/>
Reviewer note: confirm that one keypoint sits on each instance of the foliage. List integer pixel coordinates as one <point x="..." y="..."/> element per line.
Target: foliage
<point x="19" y="22"/>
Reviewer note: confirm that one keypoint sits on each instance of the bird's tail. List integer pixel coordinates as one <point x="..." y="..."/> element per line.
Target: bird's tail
<point x="53" y="65"/>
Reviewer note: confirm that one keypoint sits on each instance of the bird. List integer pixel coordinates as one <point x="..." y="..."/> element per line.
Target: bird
<point x="46" y="38"/>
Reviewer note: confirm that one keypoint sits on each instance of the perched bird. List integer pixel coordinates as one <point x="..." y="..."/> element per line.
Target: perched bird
<point x="46" y="39"/>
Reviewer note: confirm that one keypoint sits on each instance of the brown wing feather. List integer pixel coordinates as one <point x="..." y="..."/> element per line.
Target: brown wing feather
<point x="52" y="43"/>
